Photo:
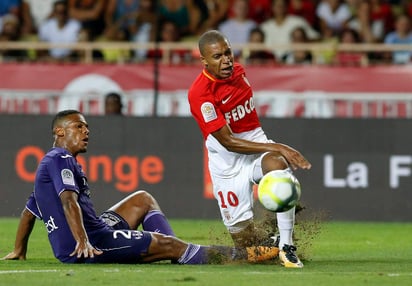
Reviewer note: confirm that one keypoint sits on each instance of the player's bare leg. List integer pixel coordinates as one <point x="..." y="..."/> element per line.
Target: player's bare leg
<point x="168" y="247"/>
<point x="142" y="208"/>
<point x="134" y="207"/>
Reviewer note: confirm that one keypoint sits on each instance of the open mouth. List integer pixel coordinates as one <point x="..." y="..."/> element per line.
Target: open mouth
<point x="227" y="71"/>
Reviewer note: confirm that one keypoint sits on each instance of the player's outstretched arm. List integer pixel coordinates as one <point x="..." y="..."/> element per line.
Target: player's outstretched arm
<point x="294" y="157"/>
<point x="26" y="224"/>
<point x="74" y="218"/>
<point x="225" y="137"/>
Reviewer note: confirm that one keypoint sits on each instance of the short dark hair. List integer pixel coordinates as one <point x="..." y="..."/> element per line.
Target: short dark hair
<point x="259" y="31"/>
<point x="60" y="2"/>
<point x="61" y="115"/>
<point x="115" y="96"/>
<point x="210" y="37"/>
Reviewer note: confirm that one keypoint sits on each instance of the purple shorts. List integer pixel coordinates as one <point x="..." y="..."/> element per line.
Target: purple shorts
<point x="114" y="220"/>
<point x="119" y="246"/>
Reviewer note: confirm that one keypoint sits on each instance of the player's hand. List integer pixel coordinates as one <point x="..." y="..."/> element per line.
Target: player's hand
<point x="294" y="158"/>
<point x="85" y="249"/>
<point x="14" y="256"/>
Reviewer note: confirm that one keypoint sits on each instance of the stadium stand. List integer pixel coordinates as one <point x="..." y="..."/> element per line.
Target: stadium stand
<point x="134" y="42"/>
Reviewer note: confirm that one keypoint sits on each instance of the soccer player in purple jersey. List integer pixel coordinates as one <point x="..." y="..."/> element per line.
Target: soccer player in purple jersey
<point x="61" y="198"/>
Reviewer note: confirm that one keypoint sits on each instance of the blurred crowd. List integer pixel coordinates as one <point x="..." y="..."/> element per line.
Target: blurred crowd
<point x="272" y="22"/>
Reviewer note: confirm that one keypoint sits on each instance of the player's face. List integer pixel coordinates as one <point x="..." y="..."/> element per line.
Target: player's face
<point x="218" y="59"/>
<point x="112" y="106"/>
<point x="76" y="134"/>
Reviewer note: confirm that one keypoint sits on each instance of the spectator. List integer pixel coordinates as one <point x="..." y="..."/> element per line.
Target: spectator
<point x="325" y="56"/>
<point x="115" y="33"/>
<point x="303" y="8"/>
<point x="368" y="31"/>
<point x="255" y="57"/>
<point x="333" y="15"/>
<point x="144" y="26"/>
<point x="183" y="13"/>
<point x="401" y="35"/>
<point x="298" y="57"/>
<point x="406" y="7"/>
<point x="352" y="6"/>
<point x="349" y="58"/>
<point x="169" y="33"/>
<point x="278" y="29"/>
<point x="21" y="10"/>
<point x="40" y="11"/>
<point x="121" y="12"/>
<point x="213" y="12"/>
<point x="10" y="32"/>
<point x="113" y="104"/>
<point x="27" y="27"/>
<point x="10" y="7"/>
<point x="59" y="29"/>
<point x="381" y="11"/>
<point x="90" y="13"/>
<point x="10" y="28"/>
<point x="259" y="10"/>
<point x="31" y="21"/>
<point x="238" y="27"/>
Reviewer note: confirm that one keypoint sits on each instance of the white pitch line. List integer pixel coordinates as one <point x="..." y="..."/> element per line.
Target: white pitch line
<point x="202" y="272"/>
<point x="27" y="271"/>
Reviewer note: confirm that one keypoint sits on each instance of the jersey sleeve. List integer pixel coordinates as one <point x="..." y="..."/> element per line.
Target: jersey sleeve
<point x="62" y="170"/>
<point x="208" y="117"/>
<point x="31" y="206"/>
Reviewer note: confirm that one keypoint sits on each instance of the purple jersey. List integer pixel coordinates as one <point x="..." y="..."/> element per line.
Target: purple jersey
<point x="57" y="172"/>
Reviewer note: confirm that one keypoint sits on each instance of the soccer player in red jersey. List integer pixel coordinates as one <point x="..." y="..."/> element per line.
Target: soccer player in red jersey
<point x="239" y="152"/>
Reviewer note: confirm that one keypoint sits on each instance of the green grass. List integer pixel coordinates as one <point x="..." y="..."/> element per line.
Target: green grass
<point x="341" y="253"/>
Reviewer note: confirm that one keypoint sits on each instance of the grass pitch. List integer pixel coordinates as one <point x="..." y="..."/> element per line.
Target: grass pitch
<point x="340" y="253"/>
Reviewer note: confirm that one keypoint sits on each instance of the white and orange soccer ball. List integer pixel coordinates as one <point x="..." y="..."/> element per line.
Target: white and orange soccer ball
<point x="279" y="191"/>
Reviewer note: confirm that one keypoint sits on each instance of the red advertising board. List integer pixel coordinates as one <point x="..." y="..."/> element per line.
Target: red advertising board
<point x="45" y="88"/>
<point x="141" y="76"/>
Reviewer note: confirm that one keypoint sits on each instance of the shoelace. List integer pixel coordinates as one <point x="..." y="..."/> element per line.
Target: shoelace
<point x="290" y="248"/>
<point x="290" y="253"/>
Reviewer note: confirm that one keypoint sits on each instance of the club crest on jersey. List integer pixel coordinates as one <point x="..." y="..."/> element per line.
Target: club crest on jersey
<point x="67" y="177"/>
<point x="208" y="111"/>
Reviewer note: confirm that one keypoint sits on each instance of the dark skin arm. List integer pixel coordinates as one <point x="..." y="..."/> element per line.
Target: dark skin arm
<point x="225" y="136"/>
<point x="74" y="218"/>
<point x="90" y="14"/>
<point x="26" y="224"/>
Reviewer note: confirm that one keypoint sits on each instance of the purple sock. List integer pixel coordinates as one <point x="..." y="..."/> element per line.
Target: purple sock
<point x="194" y="254"/>
<point x="156" y="221"/>
<point x="199" y="254"/>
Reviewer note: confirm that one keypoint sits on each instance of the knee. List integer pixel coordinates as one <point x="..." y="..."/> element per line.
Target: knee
<point x="273" y="161"/>
<point x="142" y="197"/>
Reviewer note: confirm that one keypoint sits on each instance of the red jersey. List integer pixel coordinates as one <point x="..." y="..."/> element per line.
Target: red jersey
<point x="216" y="102"/>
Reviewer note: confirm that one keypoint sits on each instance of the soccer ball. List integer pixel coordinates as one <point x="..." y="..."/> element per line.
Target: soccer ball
<point x="279" y="191"/>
